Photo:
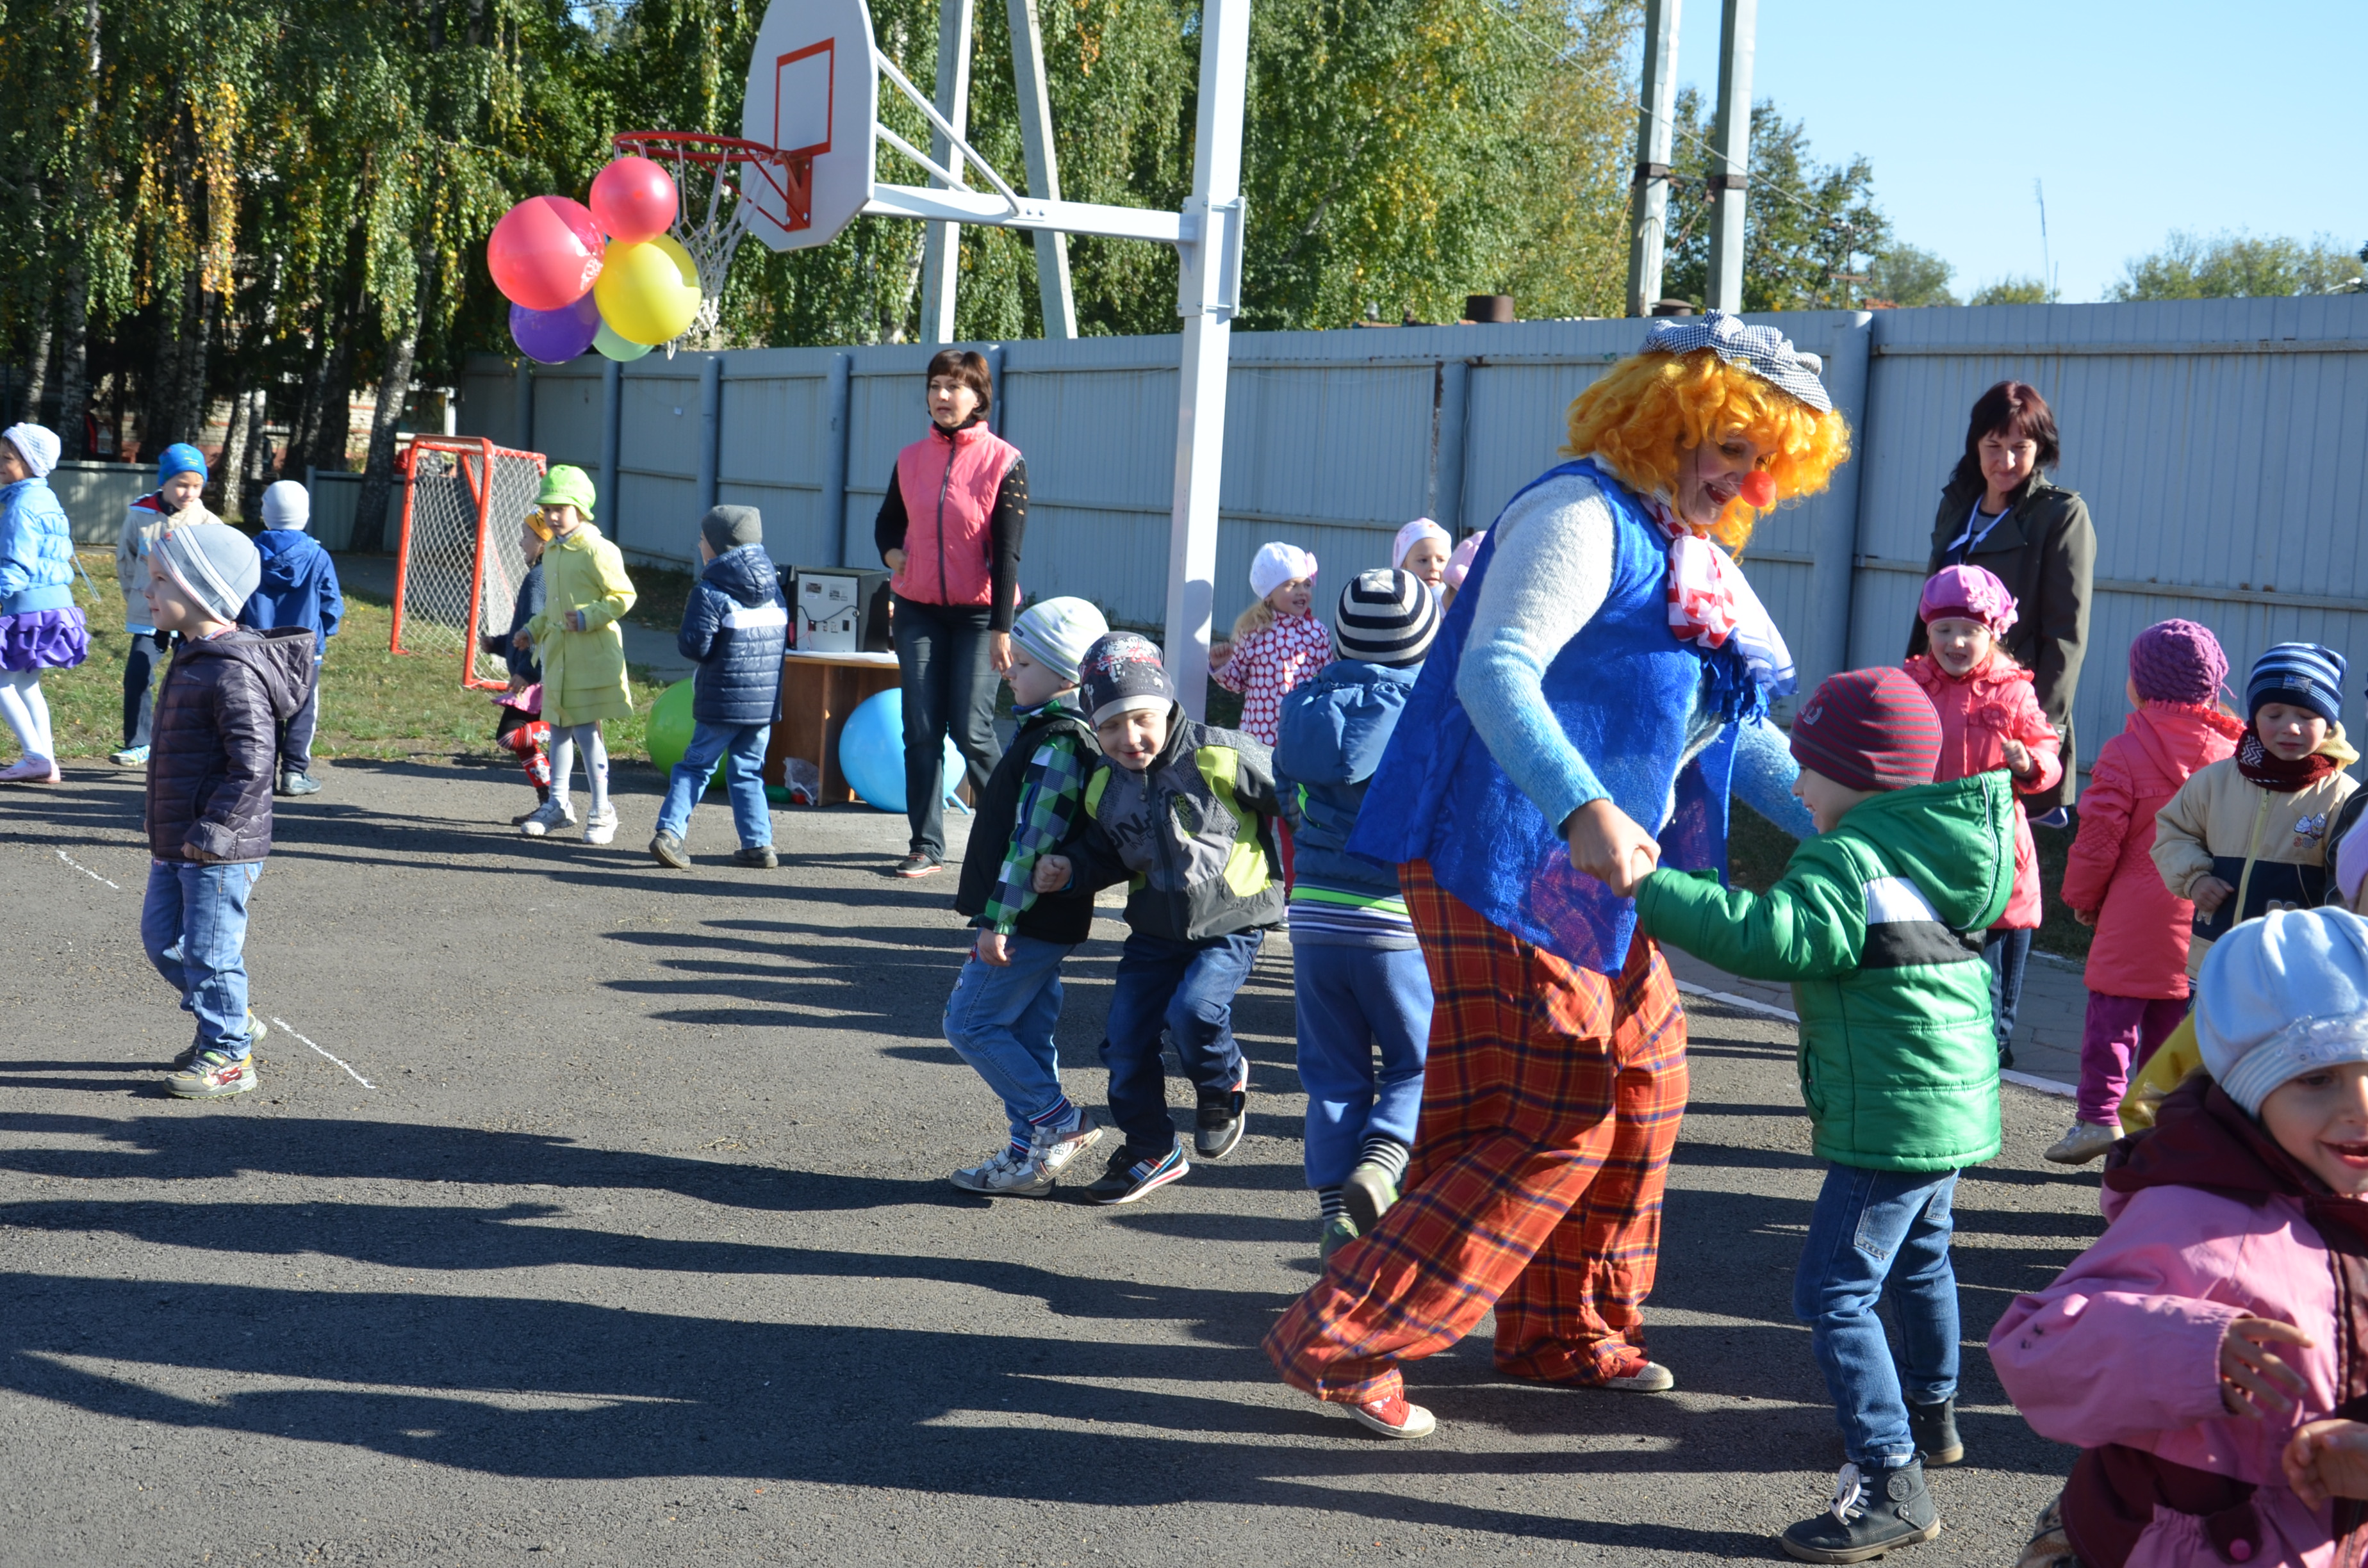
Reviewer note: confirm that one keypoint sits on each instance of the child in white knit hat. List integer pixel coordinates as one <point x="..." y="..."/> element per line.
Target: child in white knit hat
<point x="1001" y="1013"/>
<point x="1423" y="547"/>
<point x="41" y="628"/>
<point x="1277" y="642"/>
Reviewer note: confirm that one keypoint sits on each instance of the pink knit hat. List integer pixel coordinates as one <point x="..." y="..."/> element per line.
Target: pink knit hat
<point x="2177" y="660"/>
<point x="1967" y="593"/>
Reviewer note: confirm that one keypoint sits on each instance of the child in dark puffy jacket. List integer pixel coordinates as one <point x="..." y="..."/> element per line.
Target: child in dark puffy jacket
<point x="299" y="589"/>
<point x="1358" y="974"/>
<point x="212" y="756"/>
<point x="735" y="628"/>
<point x="520" y="730"/>
<point x="1185" y="813"/>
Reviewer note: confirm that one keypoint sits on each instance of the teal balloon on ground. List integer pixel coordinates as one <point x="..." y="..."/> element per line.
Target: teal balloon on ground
<point x="670" y="727"/>
<point x="871" y="752"/>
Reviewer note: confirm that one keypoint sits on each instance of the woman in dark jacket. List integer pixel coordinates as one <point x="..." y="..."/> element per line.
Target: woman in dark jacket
<point x="950" y="530"/>
<point x="2000" y="512"/>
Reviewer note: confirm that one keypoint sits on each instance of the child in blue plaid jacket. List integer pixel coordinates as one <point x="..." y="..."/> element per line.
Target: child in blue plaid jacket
<point x="1002" y="1011"/>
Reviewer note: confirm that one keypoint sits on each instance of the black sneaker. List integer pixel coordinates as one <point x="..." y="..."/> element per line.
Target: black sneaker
<point x="1935" y="1429"/>
<point x="759" y="856"/>
<point x="1875" y="1510"/>
<point x="919" y="863"/>
<point x="667" y="850"/>
<point x="1131" y="1176"/>
<point x="1218" y="1126"/>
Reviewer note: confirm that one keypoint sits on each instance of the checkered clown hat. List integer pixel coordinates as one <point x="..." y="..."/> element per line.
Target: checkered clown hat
<point x="1762" y="350"/>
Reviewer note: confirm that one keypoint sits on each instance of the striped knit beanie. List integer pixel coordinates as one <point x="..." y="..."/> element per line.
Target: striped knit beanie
<point x="1869" y="730"/>
<point x="2301" y="675"/>
<point x="1387" y="618"/>
<point x="2177" y="660"/>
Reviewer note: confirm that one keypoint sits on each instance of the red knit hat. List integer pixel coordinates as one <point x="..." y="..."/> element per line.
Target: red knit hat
<point x="1869" y="730"/>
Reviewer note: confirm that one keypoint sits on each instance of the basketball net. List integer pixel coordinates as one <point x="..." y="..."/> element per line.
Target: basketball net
<point x="712" y="217"/>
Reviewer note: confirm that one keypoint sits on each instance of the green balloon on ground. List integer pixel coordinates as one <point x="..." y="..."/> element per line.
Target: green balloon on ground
<point x="669" y="730"/>
<point x="623" y="350"/>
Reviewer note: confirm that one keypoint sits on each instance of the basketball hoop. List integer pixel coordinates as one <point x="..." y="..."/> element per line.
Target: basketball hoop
<point x="711" y="173"/>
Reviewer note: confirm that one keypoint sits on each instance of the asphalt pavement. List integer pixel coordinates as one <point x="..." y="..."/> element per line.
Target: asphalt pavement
<point x="593" y="1212"/>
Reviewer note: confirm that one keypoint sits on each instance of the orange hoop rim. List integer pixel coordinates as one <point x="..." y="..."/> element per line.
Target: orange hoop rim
<point x="699" y="147"/>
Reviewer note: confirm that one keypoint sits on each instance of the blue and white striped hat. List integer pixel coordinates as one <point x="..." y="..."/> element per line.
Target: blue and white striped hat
<point x="2301" y="675"/>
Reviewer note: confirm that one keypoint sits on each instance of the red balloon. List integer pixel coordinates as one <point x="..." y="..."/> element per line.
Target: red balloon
<point x="545" y="253"/>
<point x="634" y="199"/>
<point x="1759" y="489"/>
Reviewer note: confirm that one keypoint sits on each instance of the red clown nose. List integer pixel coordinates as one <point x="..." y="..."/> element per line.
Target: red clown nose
<point x="1759" y="490"/>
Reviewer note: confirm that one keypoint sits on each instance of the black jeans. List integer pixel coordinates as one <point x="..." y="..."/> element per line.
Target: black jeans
<point x="149" y="650"/>
<point x="948" y="681"/>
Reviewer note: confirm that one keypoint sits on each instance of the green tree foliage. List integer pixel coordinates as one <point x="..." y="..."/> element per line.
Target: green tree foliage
<point x="1807" y="230"/>
<point x="1904" y="278"/>
<point x="2018" y="290"/>
<point x="2238" y="266"/>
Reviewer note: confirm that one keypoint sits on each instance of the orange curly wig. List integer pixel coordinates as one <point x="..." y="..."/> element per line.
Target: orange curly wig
<point x="1648" y="408"/>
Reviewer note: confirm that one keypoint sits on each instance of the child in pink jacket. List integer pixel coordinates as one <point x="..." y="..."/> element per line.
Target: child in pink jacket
<point x="2138" y="963"/>
<point x="1990" y="718"/>
<point x="2194" y="1351"/>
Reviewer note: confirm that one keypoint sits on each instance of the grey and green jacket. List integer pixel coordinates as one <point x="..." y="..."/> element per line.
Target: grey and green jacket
<point x="1879" y="925"/>
<point x="1193" y="835"/>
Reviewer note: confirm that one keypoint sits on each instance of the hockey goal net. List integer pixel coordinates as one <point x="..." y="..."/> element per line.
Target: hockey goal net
<point x="459" y="562"/>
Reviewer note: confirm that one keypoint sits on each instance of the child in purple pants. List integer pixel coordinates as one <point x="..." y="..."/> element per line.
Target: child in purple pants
<point x="2137" y="961"/>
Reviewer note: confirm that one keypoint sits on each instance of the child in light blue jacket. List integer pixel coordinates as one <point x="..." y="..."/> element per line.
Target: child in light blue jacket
<point x="41" y="628"/>
<point x="1358" y="977"/>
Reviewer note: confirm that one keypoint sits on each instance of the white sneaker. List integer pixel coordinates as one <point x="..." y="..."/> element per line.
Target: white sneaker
<point x="2086" y="1141"/>
<point x="552" y="813"/>
<point x="1007" y="1176"/>
<point x="600" y="827"/>
<point x="1053" y="1151"/>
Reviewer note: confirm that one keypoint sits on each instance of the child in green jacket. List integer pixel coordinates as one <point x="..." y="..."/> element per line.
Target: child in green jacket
<point x="1878" y="922"/>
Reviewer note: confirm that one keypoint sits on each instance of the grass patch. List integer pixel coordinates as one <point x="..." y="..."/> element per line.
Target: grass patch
<point x="374" y="702"/>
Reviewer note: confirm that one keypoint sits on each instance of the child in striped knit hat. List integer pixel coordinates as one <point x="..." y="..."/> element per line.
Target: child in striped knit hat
<point x="1358" y="973"/>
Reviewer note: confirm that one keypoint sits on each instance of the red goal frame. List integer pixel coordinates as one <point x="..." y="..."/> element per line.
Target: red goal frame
<point x="474" y="459"/>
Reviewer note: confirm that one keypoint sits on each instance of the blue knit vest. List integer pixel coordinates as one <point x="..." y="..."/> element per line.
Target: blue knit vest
<point x="1623" y="689"/>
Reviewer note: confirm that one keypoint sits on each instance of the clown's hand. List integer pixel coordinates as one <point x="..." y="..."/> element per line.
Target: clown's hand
<point x="1607" y="845"/>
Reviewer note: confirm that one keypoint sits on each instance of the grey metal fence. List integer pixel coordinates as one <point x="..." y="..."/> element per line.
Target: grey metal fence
<point x="2219" y="443"/>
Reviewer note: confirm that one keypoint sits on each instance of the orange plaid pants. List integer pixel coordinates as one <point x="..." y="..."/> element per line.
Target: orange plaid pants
<point x="1550" y="1104"/>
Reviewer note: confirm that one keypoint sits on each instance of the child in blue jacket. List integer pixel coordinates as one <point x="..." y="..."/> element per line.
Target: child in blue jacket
<point x="41" y="628"/>
<point x="736" y="629"/>
<point x="299" y="589"/>
<point x="1358" y="973"/>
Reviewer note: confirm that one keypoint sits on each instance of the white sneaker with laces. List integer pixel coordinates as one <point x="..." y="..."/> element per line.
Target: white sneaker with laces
<point x="552" y="813"/>
<point x="1053" y="1151"/>
<point x="1007" y="1174"/>
<point x="600" y="827"/>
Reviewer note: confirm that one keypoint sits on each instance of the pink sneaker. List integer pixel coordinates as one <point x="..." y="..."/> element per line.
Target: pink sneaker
<point x="1393" y="1418"/>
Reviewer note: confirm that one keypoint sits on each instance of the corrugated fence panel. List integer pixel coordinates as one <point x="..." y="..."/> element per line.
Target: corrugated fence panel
<point x="2215" y="441"/>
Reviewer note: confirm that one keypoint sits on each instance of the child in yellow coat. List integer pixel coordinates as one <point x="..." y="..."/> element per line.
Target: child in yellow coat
<point x="585" y="592"/>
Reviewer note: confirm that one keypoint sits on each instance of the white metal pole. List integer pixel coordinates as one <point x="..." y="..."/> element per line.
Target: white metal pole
<point x="941" y="242"/>
<point x="1730" y="153"/>
<point x="1656" y="128"/>
<point x="1209" y="290"/>
<point x="1044" y="165"/>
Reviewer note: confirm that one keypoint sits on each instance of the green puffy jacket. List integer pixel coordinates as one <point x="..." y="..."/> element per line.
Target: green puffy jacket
<point x="1878" y="925"/>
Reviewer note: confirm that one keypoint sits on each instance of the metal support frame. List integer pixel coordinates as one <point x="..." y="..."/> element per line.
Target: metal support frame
<point x="1730" y="153"/>
<point x="834" y="457"/>
<point x="1648" y="208"/>
<point x="612" y="430"/>
<point x="1059" y="300"/>
<point x="710" y="432"/>
<point x="941" y="245"/>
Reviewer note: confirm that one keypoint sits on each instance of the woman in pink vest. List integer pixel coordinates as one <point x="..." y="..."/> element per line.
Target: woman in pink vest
<point x="950" y="530"/>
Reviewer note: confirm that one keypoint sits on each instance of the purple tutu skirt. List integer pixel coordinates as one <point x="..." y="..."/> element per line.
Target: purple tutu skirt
<point x="43" y="640"/>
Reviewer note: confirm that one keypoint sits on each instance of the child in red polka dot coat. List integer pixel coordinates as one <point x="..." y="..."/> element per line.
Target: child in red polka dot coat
<point x="1277" y="643"/>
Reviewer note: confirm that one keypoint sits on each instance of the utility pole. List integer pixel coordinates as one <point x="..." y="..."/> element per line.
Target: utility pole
<point x="1730" y="153"/>
<point x="1648" y="209"/>
<point x="941" y="242"/>
<point x="1043" y="167"/>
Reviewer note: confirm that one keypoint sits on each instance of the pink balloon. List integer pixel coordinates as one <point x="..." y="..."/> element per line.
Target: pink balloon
<point x="634" y="199"/>
<point x="545" y="253"/>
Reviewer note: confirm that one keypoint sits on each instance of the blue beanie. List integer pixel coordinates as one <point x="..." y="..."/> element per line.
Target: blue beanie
<point x="180" y="458"/>
<point x="2301" y="675"/>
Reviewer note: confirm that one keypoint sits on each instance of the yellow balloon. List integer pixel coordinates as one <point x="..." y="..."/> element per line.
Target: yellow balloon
<point x="648" y="292"/>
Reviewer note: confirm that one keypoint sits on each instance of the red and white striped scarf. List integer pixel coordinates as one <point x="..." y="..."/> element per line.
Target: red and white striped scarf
<point x="1711" y="602"/>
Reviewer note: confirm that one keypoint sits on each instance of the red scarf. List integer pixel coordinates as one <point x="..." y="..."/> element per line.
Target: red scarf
<point x="2274" y="773"/>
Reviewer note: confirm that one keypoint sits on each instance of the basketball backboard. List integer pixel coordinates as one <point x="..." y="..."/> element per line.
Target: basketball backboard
<point x="812" y="93"/>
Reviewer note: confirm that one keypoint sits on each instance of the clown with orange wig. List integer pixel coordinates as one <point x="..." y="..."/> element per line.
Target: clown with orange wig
<point x="1600" y="687"/>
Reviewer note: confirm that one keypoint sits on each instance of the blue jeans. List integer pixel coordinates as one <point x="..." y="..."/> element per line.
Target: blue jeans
<point x="742" y="747"/>
<point x="1000" y="1021"/>
<point x="1351" y="1000"/>
<point x="2007" y="953"/>
<point x="1187" y="989"/>
<point x="1869" y="1229"/>
<point x="193" y="923"/>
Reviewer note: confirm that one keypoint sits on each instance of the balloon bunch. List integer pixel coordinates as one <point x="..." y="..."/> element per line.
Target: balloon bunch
<point x="609" y="276"/>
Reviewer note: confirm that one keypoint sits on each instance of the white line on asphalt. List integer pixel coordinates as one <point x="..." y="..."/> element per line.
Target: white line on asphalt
<point x="357" y="1078"/>
<point x="2028" y="1080"/>
<point x="86" y="871"/>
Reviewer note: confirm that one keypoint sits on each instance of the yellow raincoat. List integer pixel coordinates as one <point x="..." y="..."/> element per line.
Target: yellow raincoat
<point x="583" y="672"/>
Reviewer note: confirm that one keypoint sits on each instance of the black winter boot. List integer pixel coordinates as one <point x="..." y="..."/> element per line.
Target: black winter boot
<point x="1935" y="1429"/>
<point x="1875" y="1510"/>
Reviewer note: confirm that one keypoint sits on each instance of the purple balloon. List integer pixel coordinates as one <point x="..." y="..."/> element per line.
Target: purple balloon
<point x="555" y="336"/>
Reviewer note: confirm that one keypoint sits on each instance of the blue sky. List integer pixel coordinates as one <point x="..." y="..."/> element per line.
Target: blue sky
<point x="2141" y="117"/>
